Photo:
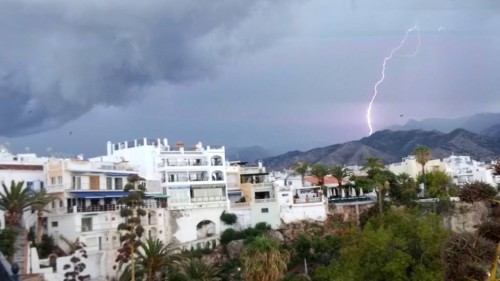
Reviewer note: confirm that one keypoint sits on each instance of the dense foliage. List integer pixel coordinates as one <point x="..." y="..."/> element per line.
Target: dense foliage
<point x="398" y="245"/>
<point x="228" y="218"/>
<point x="7" y="241"/>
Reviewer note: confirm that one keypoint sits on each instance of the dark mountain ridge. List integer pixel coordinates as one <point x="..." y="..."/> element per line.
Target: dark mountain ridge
<point x="391" y="146"/>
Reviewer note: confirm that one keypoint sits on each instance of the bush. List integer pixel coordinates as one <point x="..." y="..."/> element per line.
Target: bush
<point x="228" y="218"/>
<point x="46" y="247"/>
<point x="248" y="234"/>
<point x="7" y="242"/>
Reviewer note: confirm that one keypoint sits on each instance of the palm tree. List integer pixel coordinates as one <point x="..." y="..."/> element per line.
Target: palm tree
<point x="40" y="200"/>
<point x="320" y="171"/>
<point x="422" y="155"/>
<point x="372" y="163"/>
<point x="340" y="173"/>
<point x="14" y="201"/>
<point x="383" y="185"/>
<point x="151" y="256"/>
<point x="263" y="260"/>
<point x="301" y="168"/>
<point x="197" y="270"/>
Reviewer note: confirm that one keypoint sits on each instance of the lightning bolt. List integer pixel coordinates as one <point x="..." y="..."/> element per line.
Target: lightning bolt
<point x="384" y="64"/>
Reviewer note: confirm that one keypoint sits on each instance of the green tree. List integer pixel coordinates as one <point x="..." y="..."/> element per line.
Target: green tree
<point x="405" y="191"/>
<point x="467" y="255"/>
<point x="263" y="260"/>
<point x="14" y="200"/>
<point x="437" y="183"/>
<point x="373" y="163"/>
<point x="195" y="269"/>
<point x="40" y="199"/>
<point x="301" y="168"/>
<point x="422" y="155"/>
<point x="340" y="173"/>
<point x="398" y="245"/>
<point x="320" y="171"/>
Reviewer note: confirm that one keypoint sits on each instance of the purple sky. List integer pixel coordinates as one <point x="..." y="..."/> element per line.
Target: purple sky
<point x="281" y="74"/>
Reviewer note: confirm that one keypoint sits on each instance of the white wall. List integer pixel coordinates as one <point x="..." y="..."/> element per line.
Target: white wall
<point x="183" y="222"/>
<point x="272" y="217"/>
<point x="311" y="211"/>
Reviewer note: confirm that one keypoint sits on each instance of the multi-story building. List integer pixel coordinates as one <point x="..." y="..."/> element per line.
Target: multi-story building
<point x="27" y="168"/>
<point x="193" y="178"/>
<point x="88" y="208"/>
<point x="299" y="199"/>
<point x="252" y="195"/>
<point x="410" y="166"/>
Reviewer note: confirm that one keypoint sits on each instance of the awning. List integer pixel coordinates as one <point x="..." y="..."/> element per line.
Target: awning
<point x="234" y="192"/>
<point x="157" y="196"/>
<point x="119" y="174"/>
<point x="99" y="195"/>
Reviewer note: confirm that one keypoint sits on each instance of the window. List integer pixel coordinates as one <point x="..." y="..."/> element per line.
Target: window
<point x="109" y="183"/>
<point x="76" y="183"/>
<point x="118" y="183"/>
<point x="61" y="203"/>
<point x="264" y="210"/>
<point x="59" y="180"/>
<point x="53" y="204"/>
<point x="86" y="224"/>
<point x="54" y="224"/>
<point x="52" y="180"/>
<point x="284" y="194"/>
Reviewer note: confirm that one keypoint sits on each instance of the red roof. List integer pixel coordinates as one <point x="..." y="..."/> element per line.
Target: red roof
<point x="328" y="180"/>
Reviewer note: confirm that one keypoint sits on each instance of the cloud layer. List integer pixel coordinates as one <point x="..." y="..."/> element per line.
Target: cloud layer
<point x="58" y="59"/>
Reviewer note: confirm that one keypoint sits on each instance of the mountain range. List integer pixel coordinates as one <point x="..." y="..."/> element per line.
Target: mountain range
<point x="481" y="123"/>
<point x="391" y="146"/>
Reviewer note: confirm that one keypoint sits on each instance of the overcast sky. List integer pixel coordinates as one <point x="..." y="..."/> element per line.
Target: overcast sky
<point x="280" y="74"/>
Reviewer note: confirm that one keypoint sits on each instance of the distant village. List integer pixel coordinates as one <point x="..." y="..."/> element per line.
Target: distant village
<point x="188" y="190"/>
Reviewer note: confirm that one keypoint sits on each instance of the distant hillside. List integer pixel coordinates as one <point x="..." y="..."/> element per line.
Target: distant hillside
<point x="493" y="131"/>
<point x="391" y="146"/>
<point x="477" y="123"/>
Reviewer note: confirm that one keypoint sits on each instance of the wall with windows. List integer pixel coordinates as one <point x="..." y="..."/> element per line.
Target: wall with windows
<point x="268" y="212"/>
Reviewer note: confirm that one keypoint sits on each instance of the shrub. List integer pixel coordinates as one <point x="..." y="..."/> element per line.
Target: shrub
<point x="228" y="218"/>
<point x="7" y="242"/>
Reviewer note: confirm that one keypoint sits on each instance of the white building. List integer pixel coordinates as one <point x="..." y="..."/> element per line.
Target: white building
<point x="193" y="178"/>
<point x="88" y="208"/>
<point x="462" y="169"/>
<point x="21" y="167"/>
<point x="252" y="195"/>
<point x="300" y="200"/>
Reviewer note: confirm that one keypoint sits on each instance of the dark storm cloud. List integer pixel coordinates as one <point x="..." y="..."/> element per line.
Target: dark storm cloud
<point x="58" y="59"/>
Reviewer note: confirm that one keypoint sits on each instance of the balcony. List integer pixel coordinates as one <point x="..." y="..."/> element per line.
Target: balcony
<point x="189" y="179"/>
<point x="106" y="208"/>
<point x="56" y="188"/>
<point x="188" y="163"/>
<point x="240" y="205"/>
<point x="266" y="200"/>
<point x="307" y="200"/>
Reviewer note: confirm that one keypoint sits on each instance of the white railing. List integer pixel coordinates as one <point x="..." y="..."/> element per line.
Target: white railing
<point x="208" y="199"/>
<point x="240" y="205"/>
<point x="267" y="200"/>
<point x="264" y="185"/>
<point x="57" y="188"/>
<point x="307" y="200"/>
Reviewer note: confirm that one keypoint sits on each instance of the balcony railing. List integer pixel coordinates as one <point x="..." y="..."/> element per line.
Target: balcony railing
<point x="307" y="200"/>
<point x="267" y="200"/>
<point x="240" y="205"/>
<point x="183" y="164"/>
<point x="208" y="199"/>
<point x="109" y="208"/>
<point x="185" y="179"/>
<point x="335" y="200"/>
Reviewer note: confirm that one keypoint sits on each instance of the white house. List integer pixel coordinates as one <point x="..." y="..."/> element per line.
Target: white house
<point x="21" y="167"/>
<point x="193" y="178"/>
